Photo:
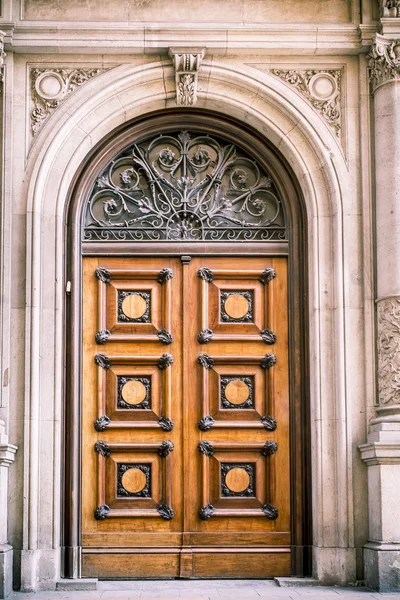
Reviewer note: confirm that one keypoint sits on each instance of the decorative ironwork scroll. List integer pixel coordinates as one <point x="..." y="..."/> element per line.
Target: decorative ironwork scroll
<point x="184" y="186"/>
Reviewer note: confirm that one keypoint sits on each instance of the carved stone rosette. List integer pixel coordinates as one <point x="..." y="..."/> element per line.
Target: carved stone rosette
<point x="322" y="89"/>
<point x="186" y="65"/>
<point x="389" y="351"/>
<point x="384" y="61"/>
<point x="50" y="87"/>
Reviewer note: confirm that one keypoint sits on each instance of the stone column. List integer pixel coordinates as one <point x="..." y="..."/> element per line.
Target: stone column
<point x="7" y="455"/>
<point x="382" y="452"/>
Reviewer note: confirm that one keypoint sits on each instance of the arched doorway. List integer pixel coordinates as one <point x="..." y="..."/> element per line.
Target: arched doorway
<point x="186" y="421"/>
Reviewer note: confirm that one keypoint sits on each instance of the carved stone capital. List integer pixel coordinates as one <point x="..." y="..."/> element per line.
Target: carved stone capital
<point x="384" y="61"/>
<point x="389" y="8"/>
<point x="186" y="64"/>
<point x="389" y="350"/>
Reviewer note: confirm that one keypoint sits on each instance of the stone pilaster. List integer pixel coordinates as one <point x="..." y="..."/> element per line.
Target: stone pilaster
<point x="382" y="451"/>
<point x="7" y="455"/>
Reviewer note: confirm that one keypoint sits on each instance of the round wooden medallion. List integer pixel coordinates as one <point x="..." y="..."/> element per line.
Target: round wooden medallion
<point x="133" y="392"/>
<point x="133" y="480"/>
<point x="134" y="306"/>
<point x="237" y="392"/>
<point x="237" y="480"/>
<point x="236" y="306"/>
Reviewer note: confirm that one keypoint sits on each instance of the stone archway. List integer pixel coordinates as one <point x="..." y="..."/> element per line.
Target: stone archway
<point x="289" y="123"/>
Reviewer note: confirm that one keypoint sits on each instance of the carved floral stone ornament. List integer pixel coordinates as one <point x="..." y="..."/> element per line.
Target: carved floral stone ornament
<point x="50" y="87"/>
<point x="321" y="88"/>
<point x="2" y="57"/>
<point x="384" y="61"/>
<point x="390" y="8"/>
<point x="389" y="351"/>
<point x="186" y="65"/>
<point x="184" y="186"/>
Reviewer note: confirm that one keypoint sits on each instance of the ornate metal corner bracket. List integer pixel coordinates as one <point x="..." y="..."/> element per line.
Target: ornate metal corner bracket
<point x="165" y="361"/>
<point x="206" y="274"/>
<point x="268" y="361"/>
<point x="205" y="423"/>
<point x="103" y="275"/>
<point x="269" y="448"/>
<point x="165" y="336"/>
<point x="165" y="511"/>
<point x="102" y="336"/>
<point x="165" y="275"/>
<point x="205" y="361"/>
<point x="102" y="361"/>
<point x="166" y="424"/>
<point x="165" y="448"/>
<point x="102" y="423"/>
<point x="384" y="61"/>
<point x="51" y="87"/>
<point x="270" y="511"/>
<point x="206" y="448"/>
<point x="268" y="336"/>
<point x="101" y="512"/>
<point x="206" y="512"/>
<point x="267" y="276"/>
<point x="205" y="336"/>
<point x="186" y="65"/>
<point x="103" y="449"/>
<point x="269" y="423"/>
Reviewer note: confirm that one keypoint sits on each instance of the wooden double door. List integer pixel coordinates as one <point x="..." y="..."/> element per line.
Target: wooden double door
<point x="185" y="417"/>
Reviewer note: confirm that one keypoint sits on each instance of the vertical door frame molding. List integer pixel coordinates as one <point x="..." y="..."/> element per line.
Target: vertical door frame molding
<point x="290" y="193"/>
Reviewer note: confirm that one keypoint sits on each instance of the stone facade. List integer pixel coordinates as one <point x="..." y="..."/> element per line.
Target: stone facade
<point x="321" y="82"/>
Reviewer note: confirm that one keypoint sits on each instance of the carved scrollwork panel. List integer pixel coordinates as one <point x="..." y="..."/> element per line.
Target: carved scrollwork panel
<point x="389" y="351"/>
<point x="322" y="89"/>
<point x="184" y="186"/>
<point x="50" y="87"/>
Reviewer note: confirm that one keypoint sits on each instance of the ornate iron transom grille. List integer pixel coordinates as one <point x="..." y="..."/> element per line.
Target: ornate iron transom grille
<point x="184" y="186"/>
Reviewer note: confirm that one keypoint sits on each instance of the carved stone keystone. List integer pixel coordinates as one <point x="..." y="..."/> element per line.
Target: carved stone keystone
<point x="186" y="64"/>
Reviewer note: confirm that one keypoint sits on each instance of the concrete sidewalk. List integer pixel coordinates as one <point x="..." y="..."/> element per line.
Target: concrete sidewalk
<point x="208" y="590"/>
